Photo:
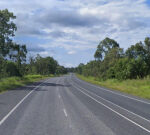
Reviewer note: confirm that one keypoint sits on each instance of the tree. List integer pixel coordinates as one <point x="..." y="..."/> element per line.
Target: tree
<point x="137" y="50"/>
<point x="61" y="70"/>
<point x="80" y="68"/>
<point x="11" y="69"/>
<point x="112" y="62"/>
<point x="91" y="68"/>
<point x="13" y="55"/>
<point x="31" y="66"/>
<point x="2" y="65"/>
<point x="104" y="47"/>
<point x="98" y="54"/>
<point x="18" y="53"/>
<point x="147" y="47"/>
<point x="7" y="29"/>
<point x="46" y="65"/>
<point x="147" y="43"/>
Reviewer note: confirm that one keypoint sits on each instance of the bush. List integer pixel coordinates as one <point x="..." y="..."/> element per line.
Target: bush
<point x="11" y="69"/>
<point x="128" y="69"/>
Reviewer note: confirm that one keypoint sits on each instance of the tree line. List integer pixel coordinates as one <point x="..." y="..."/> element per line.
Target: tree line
<point x="112" y="62"/>
<point x="13" y="56"/>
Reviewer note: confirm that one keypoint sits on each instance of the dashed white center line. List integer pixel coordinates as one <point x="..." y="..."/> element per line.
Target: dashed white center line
<point x="65" y="112"/>
<point x="59" y="96"/>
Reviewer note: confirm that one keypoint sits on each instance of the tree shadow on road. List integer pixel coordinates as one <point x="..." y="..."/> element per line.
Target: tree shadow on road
<point x="54" y="84"/>
<point x="32" y="86"/>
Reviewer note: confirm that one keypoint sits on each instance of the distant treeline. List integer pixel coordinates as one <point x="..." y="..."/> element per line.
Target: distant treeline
<point x="13" y="56"/>
<point x="111" y="61"/>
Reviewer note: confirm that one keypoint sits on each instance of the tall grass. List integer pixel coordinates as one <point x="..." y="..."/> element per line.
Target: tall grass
<point x="13" y="82"/>
<point x="136" y="87"/>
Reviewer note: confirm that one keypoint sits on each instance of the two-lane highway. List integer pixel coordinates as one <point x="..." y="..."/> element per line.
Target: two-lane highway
<point x="69" y="106"/>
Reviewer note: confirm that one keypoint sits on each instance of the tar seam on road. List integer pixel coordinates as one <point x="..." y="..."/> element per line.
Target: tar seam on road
<point x="14" y="108"/>
<point x="147" y="130"/>
<point x="116" y="93"/>
<point x="65" y="112"/>
<point x="113" y="103"/>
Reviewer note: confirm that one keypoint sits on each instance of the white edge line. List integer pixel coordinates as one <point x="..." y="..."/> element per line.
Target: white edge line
<point x="114" y="104"/>
<point x="114" y="92"/>
<point x="114" y="110"/>
<point x="65" y="112"/>
<point x="5" y="117"/>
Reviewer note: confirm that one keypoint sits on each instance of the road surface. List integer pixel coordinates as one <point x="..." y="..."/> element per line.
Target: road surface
<point x="69" y="106"/>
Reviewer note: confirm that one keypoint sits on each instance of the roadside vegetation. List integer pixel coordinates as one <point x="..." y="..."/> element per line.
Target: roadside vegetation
<point x="127" y="71"/>
<point x="14" y="82"/>
<point x="16" y="67"/>
<point x="136" y="87"/>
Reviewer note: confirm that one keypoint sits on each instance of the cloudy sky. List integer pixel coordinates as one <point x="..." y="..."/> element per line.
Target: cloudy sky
<point x="70" y="30"/>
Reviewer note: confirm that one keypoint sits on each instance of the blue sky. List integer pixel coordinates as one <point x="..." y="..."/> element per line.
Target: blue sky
<point x="148" y="2"/>
<point x="70" y="30"/>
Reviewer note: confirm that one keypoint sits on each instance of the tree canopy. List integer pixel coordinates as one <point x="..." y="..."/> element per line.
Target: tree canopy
<point x="112" y="62"/>
<point x="104" y="47"/>
<point x="13" y="55"/>
<point x="7" y="29"/>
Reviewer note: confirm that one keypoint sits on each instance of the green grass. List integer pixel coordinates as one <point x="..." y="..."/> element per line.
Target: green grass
<point x="136" y="87"/>
<point x="14" y="82"/>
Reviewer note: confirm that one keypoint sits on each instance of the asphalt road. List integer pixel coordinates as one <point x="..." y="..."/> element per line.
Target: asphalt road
<point x="69" y="106"/>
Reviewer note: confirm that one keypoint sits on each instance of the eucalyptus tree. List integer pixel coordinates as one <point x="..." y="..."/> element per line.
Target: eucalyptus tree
<point x="147" y="43"/>
<point x="7" y="30"/>
<point x="104" y="47"/>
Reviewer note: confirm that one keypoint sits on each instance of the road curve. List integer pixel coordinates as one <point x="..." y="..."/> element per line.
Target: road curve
<point x="69" y="106"/>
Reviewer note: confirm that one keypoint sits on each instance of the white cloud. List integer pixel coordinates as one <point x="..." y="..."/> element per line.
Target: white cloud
<point x="80" y="24"/>
<point x="71" y="52"/>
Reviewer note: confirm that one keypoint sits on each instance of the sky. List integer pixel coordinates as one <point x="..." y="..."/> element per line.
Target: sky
<point x="70" y="30"/>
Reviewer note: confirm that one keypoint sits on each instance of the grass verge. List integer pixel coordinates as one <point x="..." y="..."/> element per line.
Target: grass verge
<point x="136" y="87"/>
<point x="14" y="82"/>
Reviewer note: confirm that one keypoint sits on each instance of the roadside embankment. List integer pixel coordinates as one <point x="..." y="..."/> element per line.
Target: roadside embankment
<point x="136" y="87"/>
<point x="14" y="82"/>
